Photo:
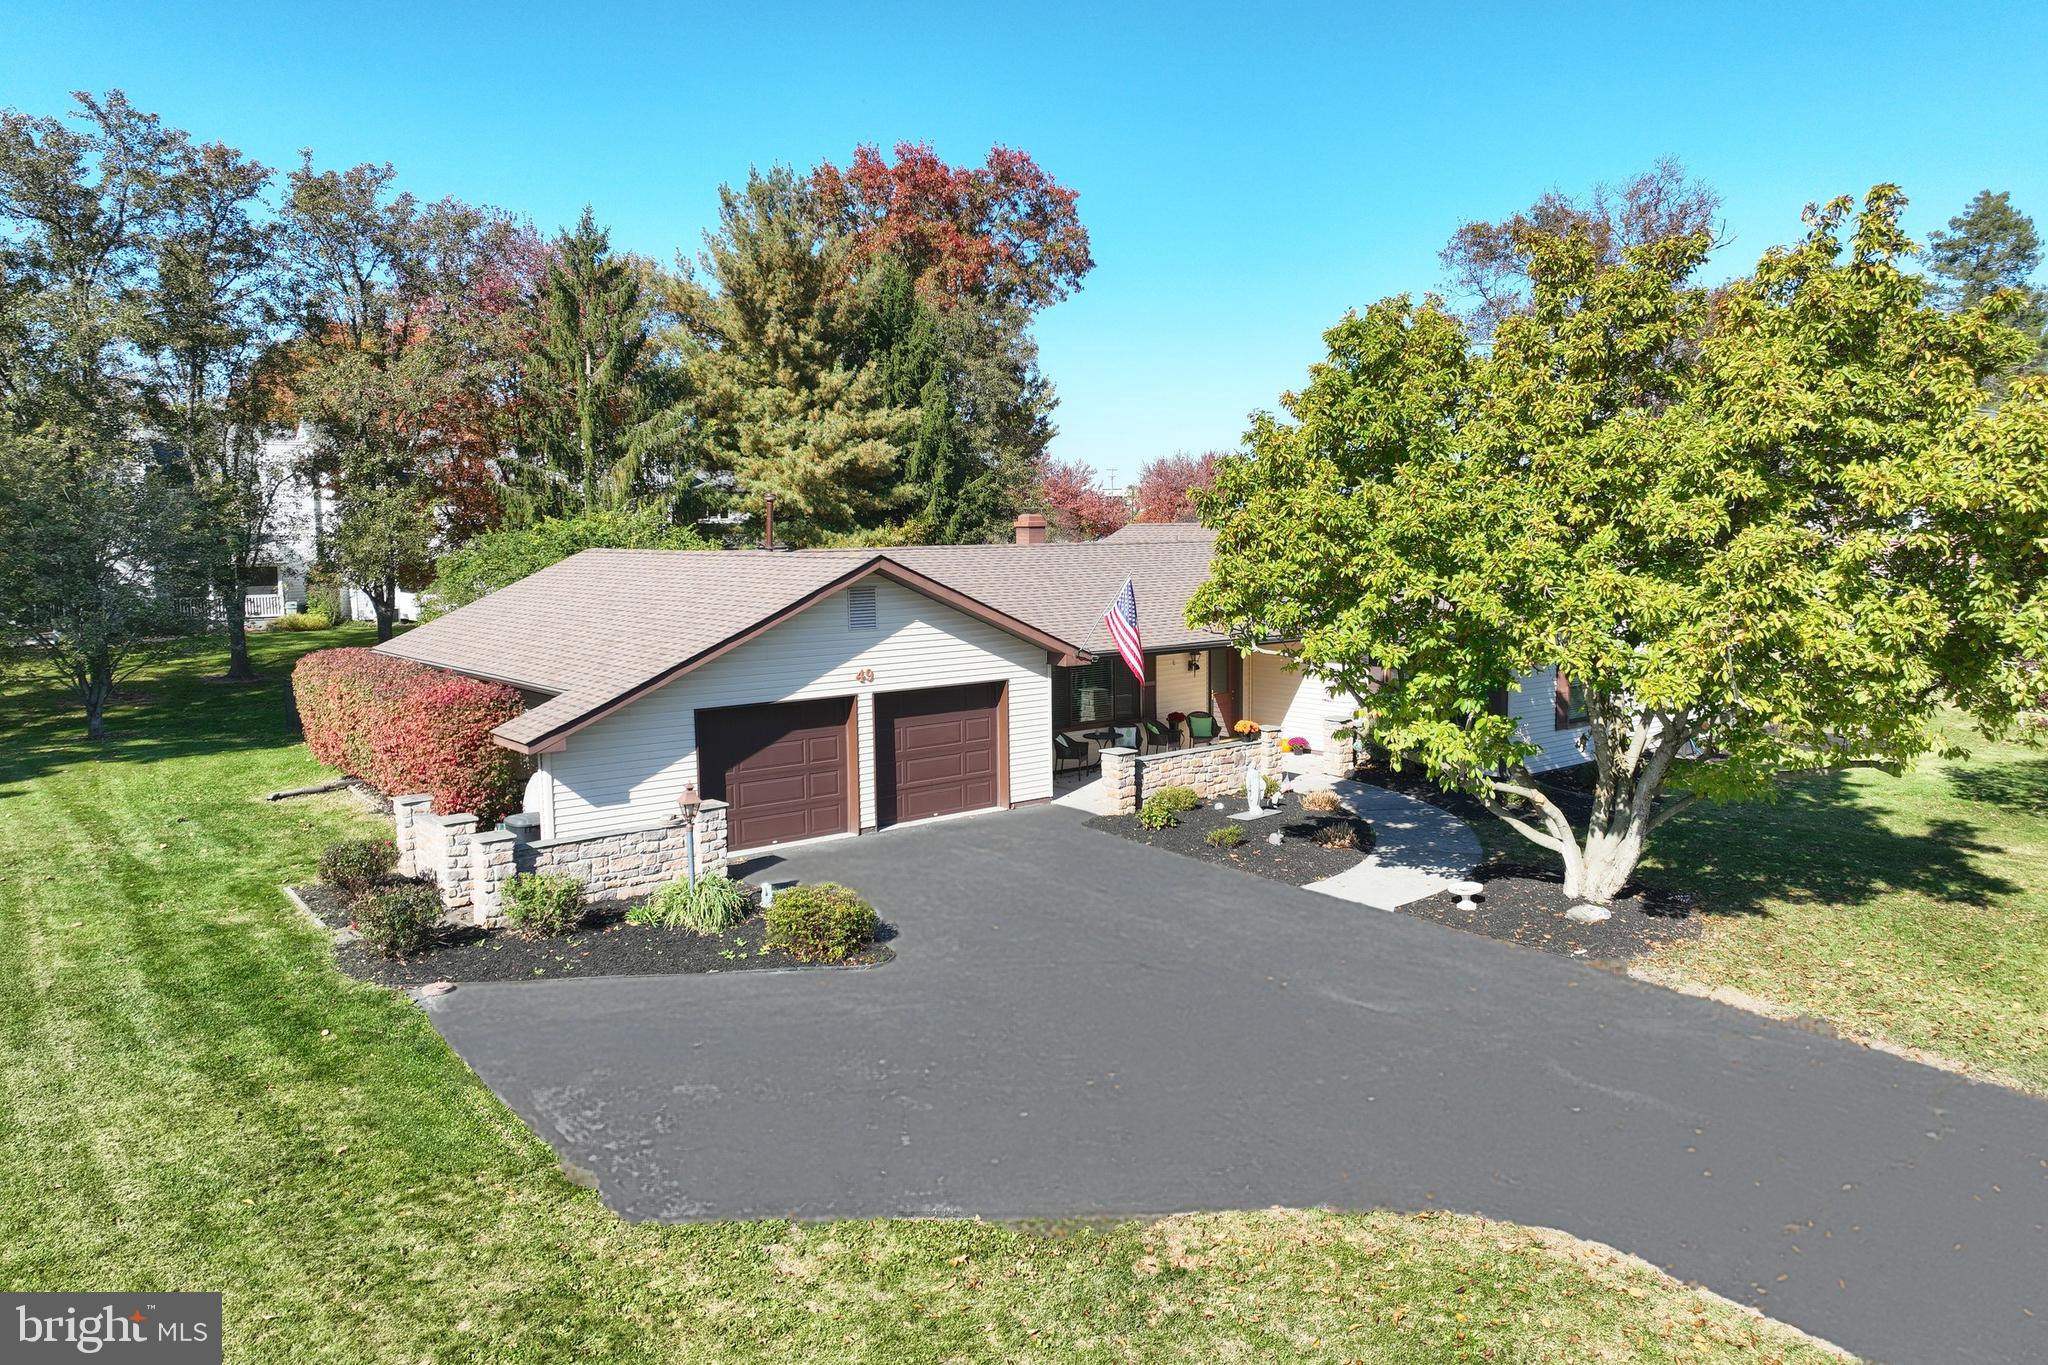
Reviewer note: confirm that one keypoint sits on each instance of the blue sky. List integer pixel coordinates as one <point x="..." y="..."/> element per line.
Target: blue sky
<point x="1246" y="176"/>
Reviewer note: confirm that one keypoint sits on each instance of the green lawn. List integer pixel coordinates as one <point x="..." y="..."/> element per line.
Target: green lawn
<point x="1912" y="909"/>
<point x="195" y="1099"/>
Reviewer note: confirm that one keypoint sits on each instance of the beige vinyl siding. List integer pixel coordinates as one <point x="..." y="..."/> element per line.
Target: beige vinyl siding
<point x="1535" y="706"/>
<point x="627" y="769"/>
<point x="1296" y="704"/>
<point x="1179" y="689"/>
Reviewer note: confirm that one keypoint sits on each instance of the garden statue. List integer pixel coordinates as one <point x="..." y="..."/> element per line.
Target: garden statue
<point x="1254" y="789"/>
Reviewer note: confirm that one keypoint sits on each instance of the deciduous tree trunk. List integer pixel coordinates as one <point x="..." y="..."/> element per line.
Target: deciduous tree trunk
<point x="1632" y="752"/>
<point x="235" y="595"/>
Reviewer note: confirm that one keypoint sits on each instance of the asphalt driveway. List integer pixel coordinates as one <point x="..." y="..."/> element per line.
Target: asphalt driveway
<point x="1076" y="1024"/>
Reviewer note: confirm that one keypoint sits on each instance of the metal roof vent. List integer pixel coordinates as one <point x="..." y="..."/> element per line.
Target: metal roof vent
<point x="860" y="607"/>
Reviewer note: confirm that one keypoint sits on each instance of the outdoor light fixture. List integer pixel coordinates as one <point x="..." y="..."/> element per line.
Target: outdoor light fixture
<point x="1194" y="662"/>
<point x="687" y="803"/>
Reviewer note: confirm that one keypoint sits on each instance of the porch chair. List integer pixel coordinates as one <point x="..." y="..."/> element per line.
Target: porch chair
<point x="1158" y="734"/>
<point x="1067" y="749"/>
<point x="1202" y="727"/>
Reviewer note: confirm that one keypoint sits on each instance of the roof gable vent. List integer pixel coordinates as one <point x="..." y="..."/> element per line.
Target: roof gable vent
<point x="860" y="607"/>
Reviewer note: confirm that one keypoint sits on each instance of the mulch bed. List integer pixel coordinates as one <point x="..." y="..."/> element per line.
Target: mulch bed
<point x="1526" y="905"/>
<point x="605" y="946"/>
<point x="1297" y="860"/>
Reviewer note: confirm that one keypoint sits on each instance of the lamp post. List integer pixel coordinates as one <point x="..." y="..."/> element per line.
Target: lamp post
<point x="688" y="803"/>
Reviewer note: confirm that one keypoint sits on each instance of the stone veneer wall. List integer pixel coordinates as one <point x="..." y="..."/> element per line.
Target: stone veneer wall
<point x="1211" y="769"/>
<point x="471" y="868"/>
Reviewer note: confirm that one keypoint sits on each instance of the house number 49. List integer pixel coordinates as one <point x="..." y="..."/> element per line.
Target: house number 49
<point x="864" y="675"/>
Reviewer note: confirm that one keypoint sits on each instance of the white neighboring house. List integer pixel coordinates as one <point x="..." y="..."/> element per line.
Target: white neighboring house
<point x="278" y="585"/>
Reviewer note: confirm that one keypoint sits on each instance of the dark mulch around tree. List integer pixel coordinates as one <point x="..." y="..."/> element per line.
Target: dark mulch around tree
<point x="1526" y="905"/>
<point x="1297" y="860"/>
<point x="605" y="946"/>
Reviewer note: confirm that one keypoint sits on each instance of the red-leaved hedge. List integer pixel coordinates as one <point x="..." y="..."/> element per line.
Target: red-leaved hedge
<point x="405" y="728"/>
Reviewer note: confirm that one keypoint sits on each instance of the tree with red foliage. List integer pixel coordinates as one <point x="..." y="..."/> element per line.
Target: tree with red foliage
<point x="1071" y="495"/>
<point x="1167" y="485"/>
<point x="1004" y="232"/>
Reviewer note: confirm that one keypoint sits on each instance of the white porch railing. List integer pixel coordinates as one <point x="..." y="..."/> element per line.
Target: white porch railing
<point x="263" y="604"/>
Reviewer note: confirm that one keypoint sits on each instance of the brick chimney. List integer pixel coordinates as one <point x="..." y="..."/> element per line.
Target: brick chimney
<point x="1031" y="529"/>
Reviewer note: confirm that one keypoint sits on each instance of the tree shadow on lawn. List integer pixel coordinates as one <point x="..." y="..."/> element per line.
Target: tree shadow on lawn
<point x="2023" y="785"/>
<point x="1818" y="843"/>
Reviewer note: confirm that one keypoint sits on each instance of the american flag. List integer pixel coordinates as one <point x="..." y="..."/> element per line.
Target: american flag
<point x="1122" y="617"/>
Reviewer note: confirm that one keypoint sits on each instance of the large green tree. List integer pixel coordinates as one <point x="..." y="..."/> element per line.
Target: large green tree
<point x="1766" y="531"/>
<point x="1988" y="247"/>
<point x="215" y="298"/>
<point x="98" y="532"/>
<point x="96" y="578"/>
<point x="596" y="389"/>
<point x="958" y="491"/>
<point x="784" y="404"/>
<point x="405" y="359"/>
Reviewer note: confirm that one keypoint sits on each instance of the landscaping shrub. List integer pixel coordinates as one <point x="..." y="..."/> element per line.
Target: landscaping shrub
<point x="353" y="866"/>
<point x="302" y="620"/>
<point x="1322" y="801"/>
<point x="712" y="907"/>
<point x="405" y="728"/>
<point x="544" y="903"/>
<point x="1343" y="835"/>
<point x="398" y="919"/>
<point x="1163" y="808"/>
<point x="1229" y="836"/>
<point x="823" y="922"/>
<point x="1272" y="786"/>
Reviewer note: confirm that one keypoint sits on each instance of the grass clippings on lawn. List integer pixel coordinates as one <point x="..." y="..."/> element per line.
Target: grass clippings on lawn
<point x="605" y="945"/>
<point x="1297" y="860"/>
<point x="196" y="1099"/>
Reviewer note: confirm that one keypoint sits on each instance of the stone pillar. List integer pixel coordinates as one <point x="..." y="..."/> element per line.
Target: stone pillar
<point x="405" y="811"/>
<point x="1120" y="778"/>
<point x="492" y="862"/>
<point x="711" y="821"/>
<point x="456" y="834"/>
<point x="1269" y="750"/>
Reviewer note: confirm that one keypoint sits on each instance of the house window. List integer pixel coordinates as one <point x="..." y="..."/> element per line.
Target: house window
<point x="1100" y="693"/>
<point x="1570" y="706"/>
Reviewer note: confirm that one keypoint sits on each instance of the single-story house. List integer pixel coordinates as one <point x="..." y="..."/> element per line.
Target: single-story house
<point x="827" y="692"/>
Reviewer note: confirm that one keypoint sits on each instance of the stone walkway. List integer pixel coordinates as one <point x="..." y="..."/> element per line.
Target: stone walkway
<point x="1417" y="849"/>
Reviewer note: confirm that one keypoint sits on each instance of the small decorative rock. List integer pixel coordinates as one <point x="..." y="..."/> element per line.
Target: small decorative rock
<point x="1588" y="914"/>
<point x="1274" y="838"/>
<point x="437" y="988"/>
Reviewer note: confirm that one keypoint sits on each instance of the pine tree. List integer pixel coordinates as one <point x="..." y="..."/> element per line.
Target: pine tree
<point x="954" y="490"/>
<point x="1987" y="247"/>
<point x="590" y="345"/>
<point x="783" y="402"/>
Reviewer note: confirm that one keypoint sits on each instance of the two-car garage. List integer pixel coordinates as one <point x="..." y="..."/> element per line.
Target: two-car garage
<point x="789" y="770"/>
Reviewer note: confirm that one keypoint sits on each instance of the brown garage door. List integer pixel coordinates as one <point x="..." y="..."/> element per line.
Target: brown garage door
<point x="783" y="769"/>
<point x="936" y="751"/>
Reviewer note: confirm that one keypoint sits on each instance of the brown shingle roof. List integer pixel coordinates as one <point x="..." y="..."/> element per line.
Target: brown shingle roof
<point x="604" y="626"/>
<point x="1065" y="588"/>
<point x="1150" y="532"/>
